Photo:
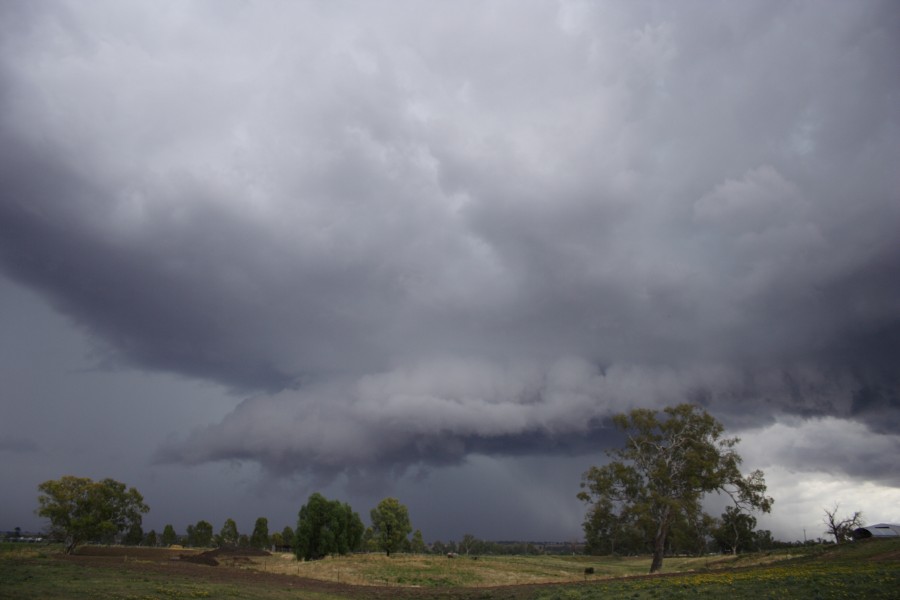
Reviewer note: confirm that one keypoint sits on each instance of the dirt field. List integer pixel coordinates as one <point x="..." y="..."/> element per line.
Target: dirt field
<point x="233" y="569"/>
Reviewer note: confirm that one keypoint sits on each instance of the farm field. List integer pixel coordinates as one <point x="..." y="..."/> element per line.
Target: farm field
<point x="863" y="569"/>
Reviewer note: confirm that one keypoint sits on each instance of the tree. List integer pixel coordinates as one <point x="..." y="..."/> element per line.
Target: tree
<point x="417" y="545"/>
<point x="260" y="536"/>
<point x="228" y="535"/>
<point x="287" y="537"/>
<point x="169" y="536"/>
<point x="81" y="510"/>
<point x="390" y="524"/>
<point x="200" y="535"/>
<point x="135" y="535"/>
<point x="842" y="529"/>
<point x="735" y="530"/>
<point x="150" y="540"/>
<point x="326" y="527"/>
<point x="276" y="540"/>
<point x="665" y="469"/>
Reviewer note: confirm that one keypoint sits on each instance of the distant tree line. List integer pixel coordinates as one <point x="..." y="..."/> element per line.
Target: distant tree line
<point x="82" y="511"/>
<point x="647" y="499"/>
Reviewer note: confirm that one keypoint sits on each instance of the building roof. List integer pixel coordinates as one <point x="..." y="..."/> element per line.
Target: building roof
<point x="880" y="530"/>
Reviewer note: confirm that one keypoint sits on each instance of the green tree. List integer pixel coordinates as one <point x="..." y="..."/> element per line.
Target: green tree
<point x="735" y="530"/>
<point x="665" y="469"/>
<point x="326" y="527"/>
<point x="390" y="524"/>
<point x="135" y="535"/>
<point x="151" y="540"/>
<point x="81" y="510"/>
<point x="260" y="536"/>
<point x="200" y="535"/>
<point x="228" y="535"/>
<point x="287" y="537"/>
<point x="369" y="543"/>
<point x="276" y="540"/>
<point x="468" y="544"/>
<point x="169" y="536"/>
<point x="418" y="543"/>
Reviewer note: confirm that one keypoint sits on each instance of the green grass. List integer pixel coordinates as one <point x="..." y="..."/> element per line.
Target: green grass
<point x="858" y="570"/>
<point x="29" y="572"/>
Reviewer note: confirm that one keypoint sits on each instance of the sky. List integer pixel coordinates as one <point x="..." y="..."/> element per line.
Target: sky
<point x="254" y="250"/>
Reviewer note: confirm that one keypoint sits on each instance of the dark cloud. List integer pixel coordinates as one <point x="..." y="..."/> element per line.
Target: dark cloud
<point x="597" y="206"/>
<point x="18" y="445"/>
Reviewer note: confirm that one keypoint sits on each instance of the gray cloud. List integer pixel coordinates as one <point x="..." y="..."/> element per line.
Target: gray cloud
<point x="18" y="445"/>
<point x="598" y="206"/>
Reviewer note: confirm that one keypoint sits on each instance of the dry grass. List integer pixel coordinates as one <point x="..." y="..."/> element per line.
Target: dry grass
<point x="483" y="571"/>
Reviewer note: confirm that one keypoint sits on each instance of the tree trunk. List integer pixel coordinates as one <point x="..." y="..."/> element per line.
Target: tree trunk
<point x="659" y="544"/>
<point x="658" y="551"/>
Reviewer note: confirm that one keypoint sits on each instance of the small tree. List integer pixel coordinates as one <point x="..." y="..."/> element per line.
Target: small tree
<point x="228" y="535"/>
<point x="735" y="531"/>
<point x="276" y="540"/>
<point x="151" y="539"/>
<point x="200" y="535"/>
<point x="326" y="527"/>
<point x="81" y="510"/>
<point x="417" y="545"/>
<point x="260" y="537"/>
<point x="390" y="524"/>
<point x="842" y="529"/>
<point x="665" y="469"/>
<point x="169" y="536"/>
<point x="287" y="537"/>
<point x="135" y="535"/>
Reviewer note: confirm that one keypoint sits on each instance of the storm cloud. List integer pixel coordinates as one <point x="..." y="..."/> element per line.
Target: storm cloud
<point x="410" y="233"/>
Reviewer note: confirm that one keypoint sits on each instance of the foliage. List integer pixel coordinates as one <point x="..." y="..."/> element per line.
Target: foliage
<point x="228" y="535"/>
<point x="81" y="510"/>
<point x="287" y="537"/>
<point x="735" y="530"/>
<point x="200" y="535"/>
<point x="151" y="538"/>
<point x="417" y="545"/>
<point x="842" y="529"/>
<point x="260" y="536"/>
<point x="135" y="535"/>
<point x="661" y="475"/>
<point x="169" y="536"/>
<point x="390" y="524"/>
<point x="326" y="527"/>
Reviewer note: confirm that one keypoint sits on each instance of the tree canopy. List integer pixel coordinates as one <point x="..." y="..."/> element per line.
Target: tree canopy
<point x="169" y="536"/>
<point x="326" y="527"/>
<point x="662" y="473"/>
<point x="200" y="535"/>
<point x="260" y="537"/>
<point x="228" y="535"/>
<point x="82" y="510"/>
<point x="390" y="524"/>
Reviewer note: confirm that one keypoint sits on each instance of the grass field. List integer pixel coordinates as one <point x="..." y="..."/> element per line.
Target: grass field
<point x="861" y="570"/>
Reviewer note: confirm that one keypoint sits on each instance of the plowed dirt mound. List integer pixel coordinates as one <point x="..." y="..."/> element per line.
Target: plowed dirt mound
<point x="228" y="554"/>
